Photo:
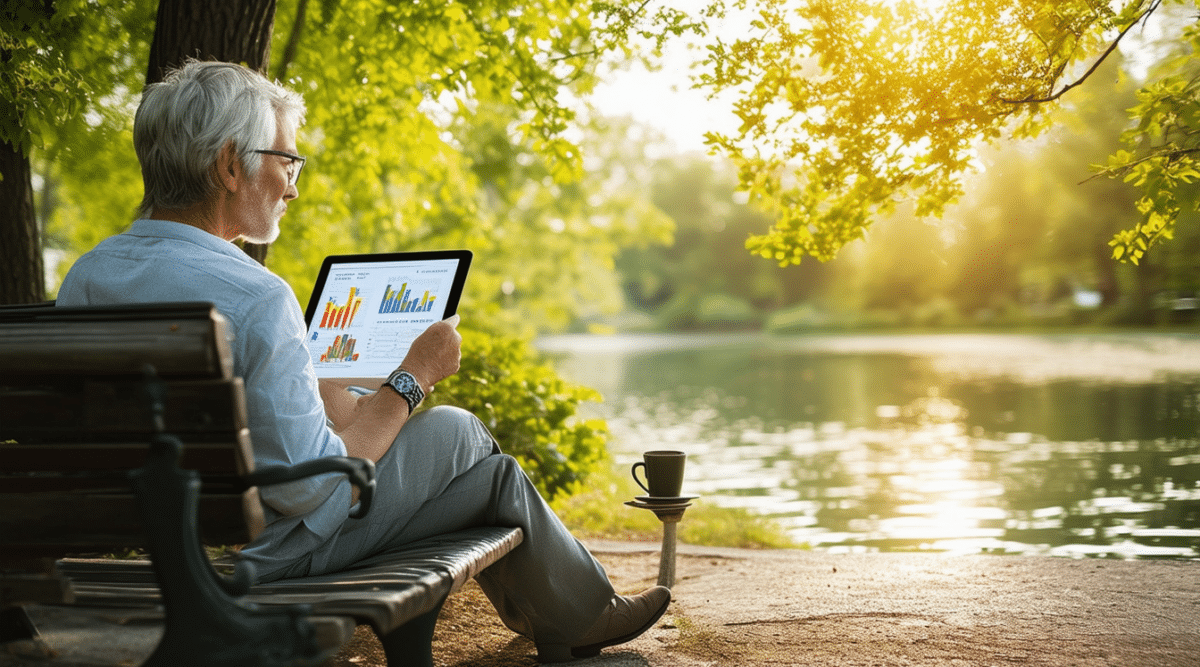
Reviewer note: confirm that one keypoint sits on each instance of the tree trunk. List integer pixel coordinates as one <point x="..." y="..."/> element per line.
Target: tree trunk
<point x="232" y="31"/>
<point x="23" y="280"/>
<point x="293" y="41"/>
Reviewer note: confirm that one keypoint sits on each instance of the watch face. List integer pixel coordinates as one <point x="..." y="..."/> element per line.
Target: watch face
<point x="404" y="383"/>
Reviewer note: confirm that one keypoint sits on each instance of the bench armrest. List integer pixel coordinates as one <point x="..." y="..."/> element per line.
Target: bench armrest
<point x="361" y="473"/>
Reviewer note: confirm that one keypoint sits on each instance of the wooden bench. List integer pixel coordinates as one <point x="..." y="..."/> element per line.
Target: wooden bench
<point x="123" y="427"/>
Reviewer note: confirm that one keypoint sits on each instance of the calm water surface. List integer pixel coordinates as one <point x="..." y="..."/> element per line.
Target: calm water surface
<point x="1073" y="445"/>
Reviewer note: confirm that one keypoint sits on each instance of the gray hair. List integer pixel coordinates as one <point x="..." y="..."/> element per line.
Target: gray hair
<point x="184" y="122"/>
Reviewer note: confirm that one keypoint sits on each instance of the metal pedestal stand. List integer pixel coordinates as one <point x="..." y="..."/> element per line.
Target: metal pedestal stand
<point x="670" y="513"/>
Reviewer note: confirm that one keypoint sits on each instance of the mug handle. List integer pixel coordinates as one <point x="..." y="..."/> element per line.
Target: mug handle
<point x="633" y="471"/>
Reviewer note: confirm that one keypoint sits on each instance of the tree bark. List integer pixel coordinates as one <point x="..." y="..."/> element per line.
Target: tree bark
<point x="23" y="280"/>
<point x="231" y="30"/>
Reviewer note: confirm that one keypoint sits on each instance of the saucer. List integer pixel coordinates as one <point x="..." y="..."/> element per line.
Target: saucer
<point x="665" y="500"/>
<point x="659" y="508"/>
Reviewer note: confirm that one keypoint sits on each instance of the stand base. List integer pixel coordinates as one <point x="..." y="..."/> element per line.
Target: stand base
<point x="670" y="515"/>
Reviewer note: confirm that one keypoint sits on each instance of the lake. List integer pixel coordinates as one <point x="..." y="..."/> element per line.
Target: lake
<point x="1060" y="444"/>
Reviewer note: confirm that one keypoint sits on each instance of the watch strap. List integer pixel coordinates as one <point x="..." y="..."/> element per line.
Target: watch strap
<point x="405" y="384"/>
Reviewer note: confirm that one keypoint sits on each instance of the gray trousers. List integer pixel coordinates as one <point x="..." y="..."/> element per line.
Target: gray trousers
<point x="445" y="472"/>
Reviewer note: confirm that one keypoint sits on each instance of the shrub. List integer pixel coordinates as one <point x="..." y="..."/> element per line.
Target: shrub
<point x="529" y="409"/>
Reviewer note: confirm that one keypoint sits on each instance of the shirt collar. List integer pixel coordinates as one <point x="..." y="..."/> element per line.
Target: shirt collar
<point x="183" y="232"/>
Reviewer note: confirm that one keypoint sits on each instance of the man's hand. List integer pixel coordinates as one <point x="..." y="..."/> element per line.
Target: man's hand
<point x="435" y="354"/>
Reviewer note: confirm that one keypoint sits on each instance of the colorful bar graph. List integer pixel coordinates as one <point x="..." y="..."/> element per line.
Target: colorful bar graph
<point x="340" y="316"/>
<point x="341" y="350"/>
<point x="399" y="301"/>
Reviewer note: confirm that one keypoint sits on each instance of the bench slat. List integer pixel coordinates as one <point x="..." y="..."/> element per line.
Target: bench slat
<point x="189" y="340"/>
<point x="385" y="591"/>
<point x="210" y="459"/>
<point x="54" y="524"/>
<point x="106" y="484"/>
<point x="95" y="411"/>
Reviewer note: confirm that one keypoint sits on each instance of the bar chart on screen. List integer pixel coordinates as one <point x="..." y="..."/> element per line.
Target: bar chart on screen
<point x="341" y="350"/>
<point x="408" y="298"/>
<point x="340" y="315"/>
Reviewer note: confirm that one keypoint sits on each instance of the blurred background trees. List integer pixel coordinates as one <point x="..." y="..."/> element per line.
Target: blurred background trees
<point x="443" y="124"/>
<point x="1026" y="243"/>
<point x="448" y="124"/>
<point x="430" y="125"/>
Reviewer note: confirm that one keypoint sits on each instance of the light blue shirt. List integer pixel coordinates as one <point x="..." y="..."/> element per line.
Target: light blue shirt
<point x="157" y="261"/>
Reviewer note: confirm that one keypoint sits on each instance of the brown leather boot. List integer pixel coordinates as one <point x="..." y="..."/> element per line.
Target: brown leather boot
<point x="624" y="619"/>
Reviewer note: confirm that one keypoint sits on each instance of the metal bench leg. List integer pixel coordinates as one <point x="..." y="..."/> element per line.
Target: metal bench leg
<point x="206" y="623"/>
<point x="20" y="637"/>
<point x="15" y="625"/>
<point x="411" y="645"/>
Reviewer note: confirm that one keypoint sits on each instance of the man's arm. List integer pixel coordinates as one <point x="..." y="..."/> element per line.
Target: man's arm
<point x="340" y="402"/>
<point x="368" y="424"/>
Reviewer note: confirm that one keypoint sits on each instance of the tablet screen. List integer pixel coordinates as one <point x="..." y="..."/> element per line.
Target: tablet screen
<point x="366" y="310"/>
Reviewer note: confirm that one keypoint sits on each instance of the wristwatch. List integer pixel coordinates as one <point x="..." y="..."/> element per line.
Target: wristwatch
<point x="407" y="386"/>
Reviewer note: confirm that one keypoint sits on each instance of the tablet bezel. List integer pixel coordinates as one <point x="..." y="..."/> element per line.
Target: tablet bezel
<point x="464" y="258"/>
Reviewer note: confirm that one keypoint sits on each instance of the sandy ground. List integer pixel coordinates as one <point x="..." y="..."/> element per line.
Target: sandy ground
<point x="739" y="607"/>
<point x="742" y="607"/>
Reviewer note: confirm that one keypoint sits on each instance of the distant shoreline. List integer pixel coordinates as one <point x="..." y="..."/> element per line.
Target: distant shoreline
<point x="1116" y="356"/>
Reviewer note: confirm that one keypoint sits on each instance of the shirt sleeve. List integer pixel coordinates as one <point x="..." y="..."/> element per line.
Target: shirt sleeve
<point x="286" y="415"/>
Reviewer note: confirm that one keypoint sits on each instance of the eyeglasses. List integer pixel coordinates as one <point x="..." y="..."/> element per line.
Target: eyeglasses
<point x="294" y="167"/>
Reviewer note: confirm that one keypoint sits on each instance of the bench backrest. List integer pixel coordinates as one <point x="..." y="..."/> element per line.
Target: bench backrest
<point x="75" y="418"/>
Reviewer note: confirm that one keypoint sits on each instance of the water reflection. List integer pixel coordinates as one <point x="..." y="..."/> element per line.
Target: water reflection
<point x="1068" y="445"/>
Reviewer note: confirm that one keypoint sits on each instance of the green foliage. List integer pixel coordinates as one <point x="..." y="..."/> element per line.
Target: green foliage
<point x="93" y="198"/>
<point x="1031" y="231"/>
<point x="1160" y="160"/>
<point x="83" y="136"/>
<point x="59" y="63"/>
<point x="847" y="108"/>
<point x="37" y="89"/>
<point x="529" y="410"/>
<point x="705" y="279"/>
<point x="547" y="247"/>
<point x="442" y="126"/>
<point x="430" y="125"/>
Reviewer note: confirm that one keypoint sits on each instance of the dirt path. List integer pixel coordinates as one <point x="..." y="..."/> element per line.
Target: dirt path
<point x="737" y="607"/>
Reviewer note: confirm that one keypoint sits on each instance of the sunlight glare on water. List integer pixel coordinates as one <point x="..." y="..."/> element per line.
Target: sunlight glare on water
<point x="1062" y="445"/>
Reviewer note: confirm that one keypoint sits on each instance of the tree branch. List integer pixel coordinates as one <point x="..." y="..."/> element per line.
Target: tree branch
<point x="1166" y="154"/>
<point x="1096" y="65"/>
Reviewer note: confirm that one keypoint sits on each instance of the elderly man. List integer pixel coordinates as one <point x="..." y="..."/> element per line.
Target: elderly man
<point x="217" y="146"/>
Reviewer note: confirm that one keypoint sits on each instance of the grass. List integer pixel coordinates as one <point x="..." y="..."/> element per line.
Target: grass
<point x="599" y="512"/>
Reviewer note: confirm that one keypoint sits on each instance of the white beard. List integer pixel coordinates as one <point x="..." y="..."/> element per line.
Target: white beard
<point x="269" y="237"/>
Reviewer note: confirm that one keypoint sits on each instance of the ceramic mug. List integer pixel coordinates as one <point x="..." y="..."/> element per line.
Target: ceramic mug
<point x="663" y="470"/>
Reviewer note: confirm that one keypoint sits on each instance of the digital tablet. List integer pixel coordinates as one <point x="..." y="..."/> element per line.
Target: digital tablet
<point x="365" y="310"/>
